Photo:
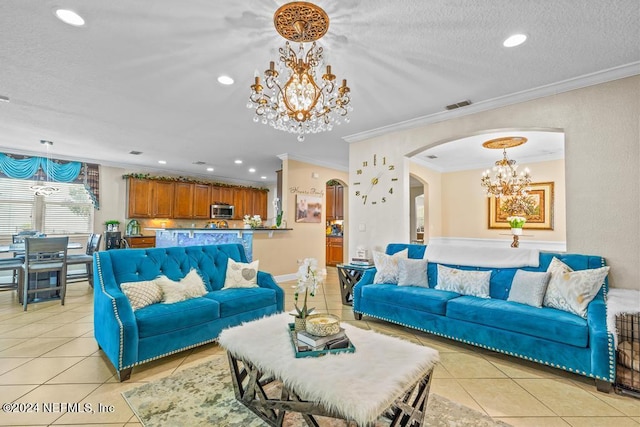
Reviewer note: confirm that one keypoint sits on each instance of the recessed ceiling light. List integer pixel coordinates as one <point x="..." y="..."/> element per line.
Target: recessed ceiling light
<point x="209" y="169"/>
<point x="162" y="162"/>
<point x="263" y="177"/>
<point x="225" y="80"/>
<point x="252" y="170"/>
<point x="238" y="162"/>
<point x="70" y="17"/>
<point x="514" y="40"/>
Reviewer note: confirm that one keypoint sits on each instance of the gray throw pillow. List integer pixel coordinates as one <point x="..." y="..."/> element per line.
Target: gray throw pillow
<point x="529" y="287"/>
<point x="412" y="272"/>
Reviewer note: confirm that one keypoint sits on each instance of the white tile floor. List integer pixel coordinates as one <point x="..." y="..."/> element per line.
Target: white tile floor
<point x="48" y="354"/>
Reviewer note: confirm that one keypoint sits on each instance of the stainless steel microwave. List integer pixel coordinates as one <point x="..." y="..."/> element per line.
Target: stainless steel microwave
<point x="222" y="211"/>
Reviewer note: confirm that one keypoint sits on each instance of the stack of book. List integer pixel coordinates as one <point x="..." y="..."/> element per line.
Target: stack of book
<point x="364" y="262"/>
<point x="308" y="342"/>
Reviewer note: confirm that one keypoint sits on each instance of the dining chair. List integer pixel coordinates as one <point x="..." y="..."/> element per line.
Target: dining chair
<point x="93" y="245"/>
<point x="15" y="266"/>
<point x="44" y="255"/>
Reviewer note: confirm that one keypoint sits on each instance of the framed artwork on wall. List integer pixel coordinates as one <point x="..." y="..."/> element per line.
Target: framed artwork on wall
<point x="542" y="218"/>
<point x="308" y="208"/>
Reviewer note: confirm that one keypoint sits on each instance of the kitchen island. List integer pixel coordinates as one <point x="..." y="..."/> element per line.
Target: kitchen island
<point x="169" y="237"/>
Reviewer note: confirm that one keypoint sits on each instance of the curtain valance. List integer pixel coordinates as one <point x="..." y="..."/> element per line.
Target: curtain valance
<point x="23" y="167"/>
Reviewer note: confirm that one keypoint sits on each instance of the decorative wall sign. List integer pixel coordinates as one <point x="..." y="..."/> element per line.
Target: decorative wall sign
<point x="308" y="208"/>
<point x="542" y="219"/>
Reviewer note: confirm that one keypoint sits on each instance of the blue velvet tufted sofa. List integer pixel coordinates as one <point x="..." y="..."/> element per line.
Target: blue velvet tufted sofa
<point x="544" y="335"/>
<point x="130" y="338"/>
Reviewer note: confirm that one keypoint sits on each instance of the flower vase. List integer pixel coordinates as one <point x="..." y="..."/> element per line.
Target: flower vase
<point x="247" y="226"/>
<point x="516" y="231"/>
<point x="300" y="324"/>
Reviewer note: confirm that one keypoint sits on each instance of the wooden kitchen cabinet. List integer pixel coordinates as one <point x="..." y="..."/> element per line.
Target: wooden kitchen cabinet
<point x="334" y="250"/>
<point x="191" y="201"/>
<point x="183" y="201"/>
<point x="201" y="201"/>
<point x="335" y="202"/>
<point x="141" y="241"/>
<point x="150" y="199"/>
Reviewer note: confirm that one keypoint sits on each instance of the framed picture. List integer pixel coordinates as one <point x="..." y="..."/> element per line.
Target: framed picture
<point x="541" y="219"/>
<point x="308" y="208"/>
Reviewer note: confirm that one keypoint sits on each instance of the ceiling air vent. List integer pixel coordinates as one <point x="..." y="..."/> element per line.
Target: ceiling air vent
<point x="199" y="163"/>
<point x="135" y="153"/>
<point x="431" y="156"/>
<point x="458" y="105"/>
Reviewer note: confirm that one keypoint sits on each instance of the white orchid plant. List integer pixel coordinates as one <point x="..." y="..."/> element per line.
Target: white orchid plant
<point x="253" y="221"/>
<point x="309" y="278"/>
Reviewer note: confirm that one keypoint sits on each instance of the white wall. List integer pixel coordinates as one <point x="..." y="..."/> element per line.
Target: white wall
<point x="602" y="163"/>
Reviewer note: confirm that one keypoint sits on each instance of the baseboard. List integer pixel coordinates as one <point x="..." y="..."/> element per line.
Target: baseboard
<point x="502" y="243"/>
<point x="285" y="277"/>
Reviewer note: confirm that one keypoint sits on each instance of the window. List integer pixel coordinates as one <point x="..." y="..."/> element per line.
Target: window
<point x="68" y="211"/>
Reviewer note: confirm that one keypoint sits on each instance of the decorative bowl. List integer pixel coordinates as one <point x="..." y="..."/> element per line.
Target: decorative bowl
<point x="322" y="324"/>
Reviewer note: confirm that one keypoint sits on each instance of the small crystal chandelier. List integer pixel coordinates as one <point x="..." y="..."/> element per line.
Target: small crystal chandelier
<point x="45" y="188"/>
<point x="301" y="104"/>
<point x="506" y="181"/>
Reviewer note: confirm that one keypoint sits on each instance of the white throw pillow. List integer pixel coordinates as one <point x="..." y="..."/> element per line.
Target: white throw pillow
<point x="412" y="272"/>
<point x="570" y="290"/>
<point x="529" y="287"/>
<point x="387" y="266"/>
<point x="142" y="294"/>
<point x="466" y="282"/>
<point x="241" y="275"/>
<point x="190" y="286"/>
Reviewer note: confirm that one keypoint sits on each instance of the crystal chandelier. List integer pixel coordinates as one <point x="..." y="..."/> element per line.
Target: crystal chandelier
<point x="45" y="188"/>
<point x="506" y="182"/>
<point x="299" y="102"/>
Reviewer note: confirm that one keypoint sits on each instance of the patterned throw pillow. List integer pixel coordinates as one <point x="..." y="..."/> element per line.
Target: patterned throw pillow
<point x="570" y="290"/>
<point x="190" y="286"/>
<point x="529" y="287"/>
<point x="412" y="272"/>
<point x="465" y="282"/>
<point x="241" y="275"/>
<point x="142" y="294"/>
<point x="387" y="266"/>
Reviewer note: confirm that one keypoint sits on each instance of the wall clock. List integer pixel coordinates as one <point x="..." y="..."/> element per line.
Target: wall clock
<point x="375" y="180"/>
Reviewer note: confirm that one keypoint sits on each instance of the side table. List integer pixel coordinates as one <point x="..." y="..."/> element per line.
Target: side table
<point x="349" y="275"/>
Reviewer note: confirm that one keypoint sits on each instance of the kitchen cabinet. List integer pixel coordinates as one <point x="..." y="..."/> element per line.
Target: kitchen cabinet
<point x="201" y="201"/>
<point x="141" y="241"/>
<point x="183" y="201"/>
<point x="191" y="201"/>
<point x="255" y="203"/>
<point x="334" y="250"/>
<point x="150" y="199"/>
<point x="335" y="202"/>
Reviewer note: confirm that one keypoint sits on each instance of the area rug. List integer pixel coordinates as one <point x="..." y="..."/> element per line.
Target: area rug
<point x="203" y="396"/>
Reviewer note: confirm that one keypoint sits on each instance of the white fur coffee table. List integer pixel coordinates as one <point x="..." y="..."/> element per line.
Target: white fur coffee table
<point x="386" y="376"/>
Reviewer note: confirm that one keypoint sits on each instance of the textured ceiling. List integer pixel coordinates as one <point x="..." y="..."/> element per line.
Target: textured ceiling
<point x="141" y="75"/>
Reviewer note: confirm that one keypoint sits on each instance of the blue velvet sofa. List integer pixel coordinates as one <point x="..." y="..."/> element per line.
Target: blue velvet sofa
<point x="544" y="335"/>
<point x="130" y="338"/>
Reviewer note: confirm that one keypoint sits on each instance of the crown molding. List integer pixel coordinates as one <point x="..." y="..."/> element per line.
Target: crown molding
<point x="586" y="80"/>
<point x="312" y="161"/>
